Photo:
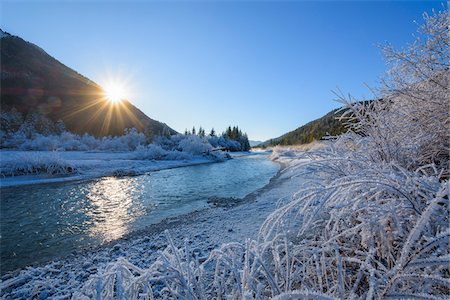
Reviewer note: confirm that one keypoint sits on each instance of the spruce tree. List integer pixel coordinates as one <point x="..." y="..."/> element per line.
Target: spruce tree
<point x="201" y="132"/>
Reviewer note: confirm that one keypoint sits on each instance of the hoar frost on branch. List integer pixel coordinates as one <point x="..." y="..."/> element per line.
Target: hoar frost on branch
<point x="409" y="125"/>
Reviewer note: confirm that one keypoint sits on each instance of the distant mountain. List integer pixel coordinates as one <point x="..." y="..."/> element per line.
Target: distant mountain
<point x="254" y="143"/>
<point x="314" y="130"/>
<point x="32" y="80"/>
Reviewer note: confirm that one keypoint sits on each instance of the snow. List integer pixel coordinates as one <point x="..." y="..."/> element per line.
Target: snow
<point x="88" y="165"/>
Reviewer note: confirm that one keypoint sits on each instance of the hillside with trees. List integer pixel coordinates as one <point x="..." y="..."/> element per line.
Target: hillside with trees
<point x="37" y="132"/>
<point x="328" y="125"/>
<point x="34" y="82"/>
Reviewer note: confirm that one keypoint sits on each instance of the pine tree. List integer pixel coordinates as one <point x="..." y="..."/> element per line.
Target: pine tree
<point x="201" y="132"/>
<point x="235" y="133"/>
<point x="243" y="140"/>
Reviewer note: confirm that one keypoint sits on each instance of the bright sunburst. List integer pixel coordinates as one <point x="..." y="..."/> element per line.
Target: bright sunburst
<point x="115" y="92"/>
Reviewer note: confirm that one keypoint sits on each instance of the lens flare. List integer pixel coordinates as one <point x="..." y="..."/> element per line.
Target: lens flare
<point x="115" y="92"/>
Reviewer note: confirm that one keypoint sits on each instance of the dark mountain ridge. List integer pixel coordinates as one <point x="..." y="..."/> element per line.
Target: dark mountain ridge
<point x="328" y="125"/>
<point x="33" y="81"/>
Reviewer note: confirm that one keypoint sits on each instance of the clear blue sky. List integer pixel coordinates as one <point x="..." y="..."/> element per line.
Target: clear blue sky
<point x="268" y="67"/>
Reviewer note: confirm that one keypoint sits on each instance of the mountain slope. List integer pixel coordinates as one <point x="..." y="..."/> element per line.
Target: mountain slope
<point x="32" y="80"/>
<point x="254" y="143"/>
<point x="314" y="130"/>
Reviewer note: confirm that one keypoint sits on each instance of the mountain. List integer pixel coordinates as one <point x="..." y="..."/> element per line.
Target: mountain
<point x="314" y="130"/>
<point x="33" y="81"/>
<point x="254" y="143"/>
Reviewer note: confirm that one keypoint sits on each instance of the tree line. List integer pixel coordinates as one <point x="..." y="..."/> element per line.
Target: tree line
<point x="231" y="133"/>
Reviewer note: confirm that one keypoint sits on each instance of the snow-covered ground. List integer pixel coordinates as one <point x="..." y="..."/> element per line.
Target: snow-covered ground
<point x="269" y="243"/>
<point x="205" y="230"/>
<point x="85" y="165"/>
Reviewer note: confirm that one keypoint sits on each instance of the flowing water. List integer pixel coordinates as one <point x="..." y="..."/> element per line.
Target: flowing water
<point x="47" y="221"/>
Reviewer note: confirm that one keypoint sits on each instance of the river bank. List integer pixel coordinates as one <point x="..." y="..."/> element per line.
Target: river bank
<point x="81" y="166"/>
<point x="205" y="229"/>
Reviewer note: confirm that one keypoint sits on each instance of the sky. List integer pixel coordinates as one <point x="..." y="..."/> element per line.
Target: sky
<point x="266" y="66"/>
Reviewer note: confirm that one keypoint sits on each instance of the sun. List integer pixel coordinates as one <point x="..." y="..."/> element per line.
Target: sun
<point x="115" y="92"/>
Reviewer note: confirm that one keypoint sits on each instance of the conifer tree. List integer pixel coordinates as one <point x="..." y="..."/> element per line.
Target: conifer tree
<point x="201" y="132"/>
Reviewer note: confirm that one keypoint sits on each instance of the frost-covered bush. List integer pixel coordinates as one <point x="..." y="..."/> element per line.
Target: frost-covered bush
<point x="15" y="140"/>
<point x="410" y="124"/>
<point x="132" y="138"/>
<point x="169" y="143"/>
<point x="195" y="145"/>
<point x="36" y="132"/>
<point x="151" y="152"/>
<point x="89" y="141"/>
<point x="33" y="163"/>
<point x="362" y="230"/>
<point x="45" y="143"/>
<point x="222" y="142"/>
<point x="178" y="147"/>
<point x="112" y="144"/>
<point x="67" y="141"/>
<point x="71" y="142"/>
<point x="282" y="152"/>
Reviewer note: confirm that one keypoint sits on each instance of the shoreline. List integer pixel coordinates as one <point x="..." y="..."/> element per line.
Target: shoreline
<point x="204" y="230"/>
<point x="168" y="223"/>
<point x="152" y="166"/>
<point x="92" y="167"/>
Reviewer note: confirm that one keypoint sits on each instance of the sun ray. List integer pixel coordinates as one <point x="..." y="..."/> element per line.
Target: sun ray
<point x="130" y="114"/>
<point x="115" y="91"/>
<point x="97" y="101"/>
<point x="109" y="107"/>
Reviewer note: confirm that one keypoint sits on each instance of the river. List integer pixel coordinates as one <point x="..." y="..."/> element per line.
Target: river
<point x="49" y="221"/>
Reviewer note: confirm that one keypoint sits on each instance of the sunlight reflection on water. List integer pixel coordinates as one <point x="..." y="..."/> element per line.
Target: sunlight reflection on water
<point x="112" y="208"/>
